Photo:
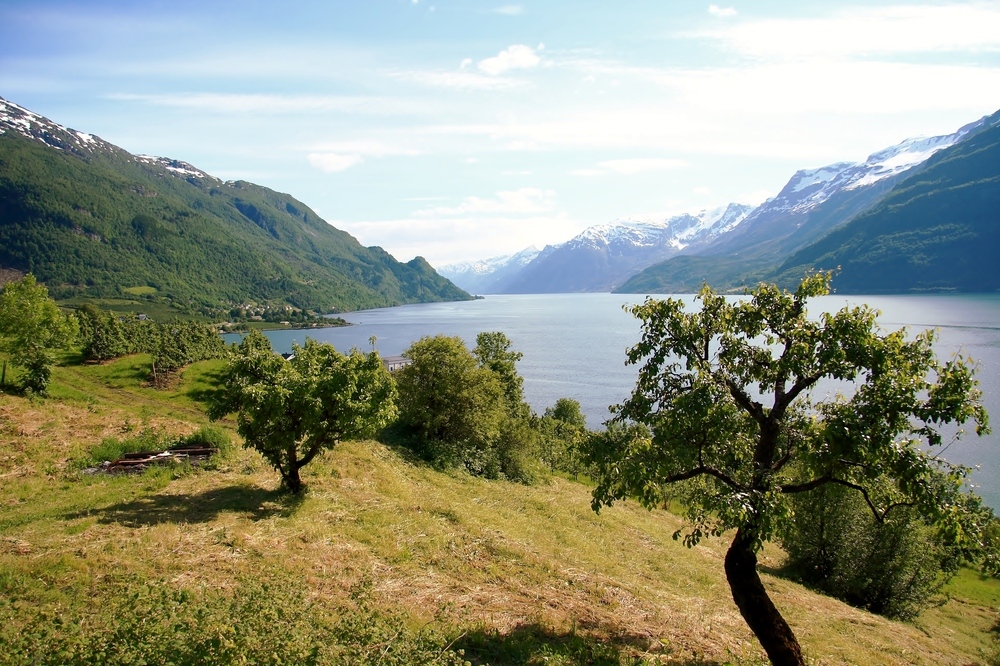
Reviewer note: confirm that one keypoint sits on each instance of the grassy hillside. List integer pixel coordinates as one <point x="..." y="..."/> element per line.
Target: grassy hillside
<point x="383" y="560"/>
<point x="91" y="220"/>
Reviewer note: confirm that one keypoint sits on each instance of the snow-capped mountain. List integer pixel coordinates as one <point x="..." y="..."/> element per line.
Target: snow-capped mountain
<point x="812" y="203"/>
<point x="14" y="118"/>
<point x="809" y="188"/>
<point x="487" y="275"/>
<point x="605" y="255"/>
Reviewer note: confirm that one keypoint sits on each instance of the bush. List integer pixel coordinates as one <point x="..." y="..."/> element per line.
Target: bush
<point x="209" y="436"/>
<point x="454" y="411"/>
<point x="836" y="545"/>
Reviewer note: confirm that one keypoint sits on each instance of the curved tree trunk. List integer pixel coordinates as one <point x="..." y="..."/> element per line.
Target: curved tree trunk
<point x="755" y="606"/>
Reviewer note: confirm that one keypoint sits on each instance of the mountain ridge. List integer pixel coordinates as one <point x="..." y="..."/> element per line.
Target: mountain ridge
<point x="91" y="220"/>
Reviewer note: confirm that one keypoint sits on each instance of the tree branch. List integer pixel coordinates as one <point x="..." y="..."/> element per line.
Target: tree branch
<point x="880" y="516"/>
<point x="706" y="470"/>
<point x="743" y="400"/>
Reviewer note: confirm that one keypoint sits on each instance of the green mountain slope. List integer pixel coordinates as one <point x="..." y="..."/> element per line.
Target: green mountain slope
<point x="937" y="230"/>
<point x="91" y="220"/>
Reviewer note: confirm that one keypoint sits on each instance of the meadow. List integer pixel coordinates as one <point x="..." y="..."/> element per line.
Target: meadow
<point x="383" y="560"/>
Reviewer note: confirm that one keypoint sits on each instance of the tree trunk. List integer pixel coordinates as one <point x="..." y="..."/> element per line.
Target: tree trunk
<point x="755" y="606"/>
<point x="292" y="480"/>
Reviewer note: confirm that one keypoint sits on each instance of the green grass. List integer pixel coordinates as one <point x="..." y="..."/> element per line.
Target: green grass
<point x="382" y="559"/>
<point x="140" y="291"/>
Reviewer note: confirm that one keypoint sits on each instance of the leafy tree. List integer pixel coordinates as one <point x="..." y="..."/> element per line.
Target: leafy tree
<point x="563" y="428"/>
<point x="493" y="352"/>
<point x="457" y="412"/>
<point x="290" y="411"/>
<point x="31" y="327"/>
<point x="723" y="395"/>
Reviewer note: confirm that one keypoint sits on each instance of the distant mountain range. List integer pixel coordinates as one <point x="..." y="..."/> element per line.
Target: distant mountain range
<point x="784" y="237"/>
<point x="91" y="220"/>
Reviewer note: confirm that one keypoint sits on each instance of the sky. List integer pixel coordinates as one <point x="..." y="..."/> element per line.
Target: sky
<point x="458" y="130"/>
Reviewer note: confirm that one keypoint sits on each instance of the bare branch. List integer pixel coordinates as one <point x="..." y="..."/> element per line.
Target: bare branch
<point x="880" y="516"/>
<point x="743" y="400"/>
<point x="701" y="470"/>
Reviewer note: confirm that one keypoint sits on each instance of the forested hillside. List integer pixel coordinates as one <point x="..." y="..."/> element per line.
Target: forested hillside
<point x="91" y="220"/>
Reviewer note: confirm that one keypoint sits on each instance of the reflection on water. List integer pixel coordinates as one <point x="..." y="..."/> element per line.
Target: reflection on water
<point x="574" y="346"/>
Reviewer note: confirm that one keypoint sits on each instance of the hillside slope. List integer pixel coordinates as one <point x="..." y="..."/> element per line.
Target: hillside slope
<point x="92" y="220"/>
<point x="512" y="574"/>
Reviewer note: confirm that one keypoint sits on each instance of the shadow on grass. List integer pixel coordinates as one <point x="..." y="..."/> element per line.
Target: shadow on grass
<point x="255" y="503"/>
<point x="207" y="386"/>
<point x="535" y="644"/>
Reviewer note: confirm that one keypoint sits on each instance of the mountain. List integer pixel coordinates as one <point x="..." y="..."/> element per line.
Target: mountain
<point x="603" y="256"/>
<point x="488" y="276"/>
<point x="812" y="203"/>
<point x="937" y="230"/>
<point x="91" y="220"/>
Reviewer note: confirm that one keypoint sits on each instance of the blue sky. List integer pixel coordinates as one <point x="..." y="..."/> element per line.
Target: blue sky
<point x="460" y="130"/>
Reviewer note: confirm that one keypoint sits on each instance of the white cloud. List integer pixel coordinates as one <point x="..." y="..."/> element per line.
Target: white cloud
<point x="517" y="56"/>
<point x="509" y="10"/>
<point x="640" y="164"/>
<point x="363" y="147"/>
<point x="459" y="80"/>
<point x="333" y="162"/>
<point x="279" y="104"/>
<point x="466" y="62"/>
<point x="526" y="200"/>
<point x="445" y="240"/>
<point x="702" y="191"/>
<point x="866" y="32"/>
<point x="722" y="12"/>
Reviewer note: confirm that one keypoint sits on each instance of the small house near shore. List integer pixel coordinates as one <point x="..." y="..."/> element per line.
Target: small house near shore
<point x="394" y="363"/>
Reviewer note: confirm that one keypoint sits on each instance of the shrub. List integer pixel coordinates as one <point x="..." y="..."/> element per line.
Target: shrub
<point x="835" y="545"/>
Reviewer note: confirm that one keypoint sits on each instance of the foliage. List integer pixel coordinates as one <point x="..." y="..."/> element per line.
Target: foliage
<point x="493" y="353"/>
<point x="150" y="622"/>
<point x="563" y="428"/>
<point x="290" y="411"/>
<point x="893" y="568"/>
<point x="173" y="345"/>
<point x="457" y="412"/>
<point x="724" y="396"/>
<point x="103" y="224"/>
<point x="31" y="327"/>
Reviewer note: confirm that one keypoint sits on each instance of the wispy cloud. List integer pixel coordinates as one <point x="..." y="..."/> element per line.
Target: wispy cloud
<point x="526" y="200"/>
<point x="722" y="12"/>
<point x="278" y="104"/>
<point x="640" y="164"/>
<point x="333" y="162"/>
<point x="869" y="32"/>
<point x="509" y="10"/>
<point x="457" y="80"/>
<point x="517" y="56"/>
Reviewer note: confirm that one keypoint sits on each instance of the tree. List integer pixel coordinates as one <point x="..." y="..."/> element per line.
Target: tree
<point x="31" y="327"/>
<point x="290" y="411"/>
<point x="721" y="413"/>
<point x="452" y="408"/>
<point x="493" y="353"/>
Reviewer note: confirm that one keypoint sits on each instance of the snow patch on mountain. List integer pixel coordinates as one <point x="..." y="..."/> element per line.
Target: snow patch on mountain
<point x="30" y="125"/>
<point x="678" y="231"/>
